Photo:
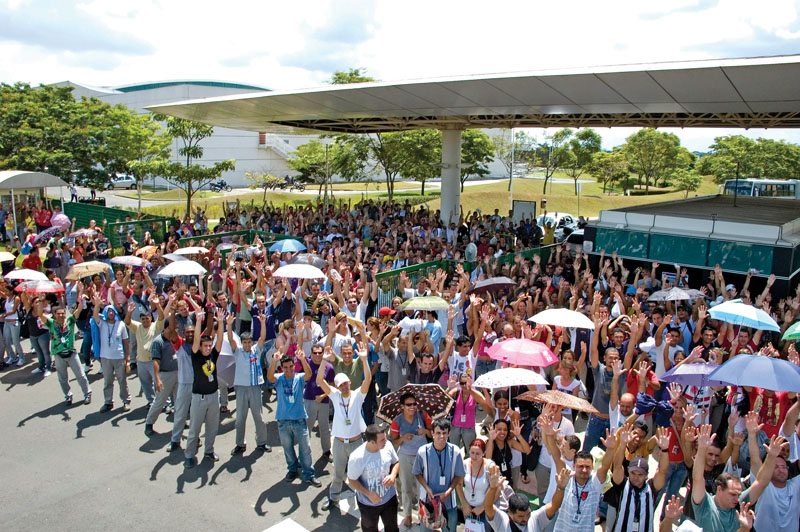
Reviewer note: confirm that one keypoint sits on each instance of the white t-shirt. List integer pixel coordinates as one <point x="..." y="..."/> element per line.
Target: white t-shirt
<point x="551" y="487"/>
<point x="475" y="487"/>
<point x="794" y="444"/>
<point x="370" y="469"/>
<point x="359" y="314"/>
<point x="458" y="365"/>
<point x="658" y="352"/>
<point x="111" y="339"/>
<point x="568" y="389"/>
<point x="537" y="522"/>
<point x="347" y="419"/>
<point x="616" y="419"/>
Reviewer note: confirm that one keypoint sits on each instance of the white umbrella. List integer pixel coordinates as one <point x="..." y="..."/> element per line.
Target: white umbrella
<point x="5" y="256"/>
<point x="299" y="271"/>
<point x="24" y="274"/>
<point x="563" y="317"/>
<point x="737" y="313"/>
<point x="192" y="250"/>
<point x="173" y="257"/>
<point x="501" y="378"/>
<point x="181" y="267"/>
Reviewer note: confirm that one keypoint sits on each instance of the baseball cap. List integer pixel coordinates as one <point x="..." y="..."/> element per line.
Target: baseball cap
<point x="638" y="464"/>
<point x="630" y="290"/>
<point x="385" y="311"/>
<point x="340" y="379"/>
<point x="730" y="287"/>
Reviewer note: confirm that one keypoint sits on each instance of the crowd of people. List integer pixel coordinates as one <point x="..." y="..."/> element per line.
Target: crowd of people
<point x="326" y="352"/>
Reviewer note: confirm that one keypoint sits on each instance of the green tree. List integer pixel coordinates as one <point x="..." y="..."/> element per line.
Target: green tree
<point x="554" y="153"/>
<point x="777" y="159"/>
<point x="522" y="151"/>
<point x="733" y="157"/>
<point x="309" y="161"/>
<point x="354" y="75"/>
<point x="189" y="176"/>
<point x="582" y="146"/>
<point x="655" y="155"/>
<point x="608" y="167"/>
<point x="686" y="180"/>
<point x="45" y="129"/>
<point x="261" y="180"/>
<point x="422" y="148"/>
<point x="477" y="151"/>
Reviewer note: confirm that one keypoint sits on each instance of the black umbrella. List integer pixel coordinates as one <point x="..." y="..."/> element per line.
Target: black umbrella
<point x="47" y="234"/>
<point x="309" y="258"/>
<point x="493" y="284"/>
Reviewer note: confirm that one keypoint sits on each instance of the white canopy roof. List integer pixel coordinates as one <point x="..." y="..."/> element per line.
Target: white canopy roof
<point x="21" y="179"/>
<point x="750" y="92"/>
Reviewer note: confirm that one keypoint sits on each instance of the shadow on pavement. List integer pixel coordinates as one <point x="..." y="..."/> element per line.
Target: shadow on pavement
<point x="55" y="410"/>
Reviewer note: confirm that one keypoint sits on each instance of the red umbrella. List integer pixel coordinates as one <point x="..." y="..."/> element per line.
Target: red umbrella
<point x="40" y="287"/>
<point x="523" y="352"/>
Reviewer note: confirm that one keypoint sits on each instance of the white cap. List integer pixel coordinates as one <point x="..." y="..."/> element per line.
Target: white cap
<point x="340" y="379"/>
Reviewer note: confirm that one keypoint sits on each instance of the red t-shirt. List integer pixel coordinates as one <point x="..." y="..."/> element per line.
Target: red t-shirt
<point x="32" y="261"/>
<point x="42" y="217"/>
<point x="771" y="409"/>
<point x="675" y="452"/>
<point x="632" y="381"/>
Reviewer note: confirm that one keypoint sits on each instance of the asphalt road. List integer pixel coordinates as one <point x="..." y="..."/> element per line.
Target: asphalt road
<point x="73" y="468"/>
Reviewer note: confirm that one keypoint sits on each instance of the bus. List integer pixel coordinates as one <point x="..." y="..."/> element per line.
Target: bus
<point x="768" y="188"/>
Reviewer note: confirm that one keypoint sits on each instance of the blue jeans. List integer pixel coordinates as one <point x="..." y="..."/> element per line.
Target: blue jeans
<point x="595" y="429"/>
<point x="86" y="343"/>
<point x="41" y="344"/>
<point x="295" y="432"/>
<point x="676" y="474"/>
<point x="452" y="521"/>
<point x="484" y="366"/>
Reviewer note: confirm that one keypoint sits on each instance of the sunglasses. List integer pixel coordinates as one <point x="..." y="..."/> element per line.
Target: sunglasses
<point x="409" y="404"/>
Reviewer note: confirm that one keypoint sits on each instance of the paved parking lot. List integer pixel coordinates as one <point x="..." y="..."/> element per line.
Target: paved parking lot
<point x="73" y="468"/>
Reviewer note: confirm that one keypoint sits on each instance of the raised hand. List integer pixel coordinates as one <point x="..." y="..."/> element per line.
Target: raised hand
<point x="746" y="516"/>
<point x="642" y="369"/>
<point x="610" y="441"/>
<point x="675" y="392"/>
<point x="663" y="438"/>
<point x="704" y="436"/>
<point x="493" y="474"/>
<point x="776" y="444"/>
<point x="751" y="422"/>
<point x="546" y="425"/>
<point x="230" y="319"/>
<point x="516" y="429"/>
<point x="562" y="478"/>
<point x="617" y="368"/>
<point x="674" y="508"/>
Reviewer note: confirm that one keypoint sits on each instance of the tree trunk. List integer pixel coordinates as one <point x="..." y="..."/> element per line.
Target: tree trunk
<point x="139" y="186"/>
<point x="423" y="187"/>
<point x="188" y="198"/>
<point x="319" y="192"/>
<point x="576" y="185"/>
<point x="604" y="186"/>
<point x="462" y="184"/>
<point x="544" y="188"/>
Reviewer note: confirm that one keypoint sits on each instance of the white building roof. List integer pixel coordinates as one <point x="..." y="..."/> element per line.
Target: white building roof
<point x="750" y="92"/>
<point x="21" y="179"/>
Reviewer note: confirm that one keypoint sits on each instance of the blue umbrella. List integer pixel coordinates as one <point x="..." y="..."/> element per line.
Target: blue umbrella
<point x="288" y="245"/>
<point x="759" y="371"/>
<point x="692" y="375"/>
<point x="737" y="313"/>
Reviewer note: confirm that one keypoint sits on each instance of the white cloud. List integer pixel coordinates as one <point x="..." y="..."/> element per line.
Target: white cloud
<point x="286" y="45"/>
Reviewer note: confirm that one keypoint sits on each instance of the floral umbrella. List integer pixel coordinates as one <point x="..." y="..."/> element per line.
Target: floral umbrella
<point x="431" y="398"/>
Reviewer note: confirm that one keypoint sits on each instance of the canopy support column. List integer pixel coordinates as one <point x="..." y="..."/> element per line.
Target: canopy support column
<point x="451" y="175"/>
<point x="14" y="213"/>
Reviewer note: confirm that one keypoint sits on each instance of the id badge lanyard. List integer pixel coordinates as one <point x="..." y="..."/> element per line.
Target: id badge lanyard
<point x="578" y="499"/>
<point x="346" y="408"/>
<point x="442" y="464"/>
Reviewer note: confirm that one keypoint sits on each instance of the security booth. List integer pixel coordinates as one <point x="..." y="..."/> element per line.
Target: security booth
<point x="20" y="189"/>
<point x="741" y="234"/>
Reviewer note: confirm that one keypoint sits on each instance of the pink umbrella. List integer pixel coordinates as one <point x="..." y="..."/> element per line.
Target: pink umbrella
<point x="523" y="352"/>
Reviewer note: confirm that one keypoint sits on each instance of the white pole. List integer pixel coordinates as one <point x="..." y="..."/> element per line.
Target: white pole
<point x="511" y="184"/>
<point x="14" y="211"/>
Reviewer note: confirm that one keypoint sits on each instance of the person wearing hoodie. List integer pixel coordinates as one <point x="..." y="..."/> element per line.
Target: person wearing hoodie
<point x="113" y="349"/>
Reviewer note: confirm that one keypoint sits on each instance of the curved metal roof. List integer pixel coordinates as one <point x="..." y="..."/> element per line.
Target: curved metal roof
<point x="205" y="83"/>
<point x="751" y="92"/>
<point x="22" y="179"/>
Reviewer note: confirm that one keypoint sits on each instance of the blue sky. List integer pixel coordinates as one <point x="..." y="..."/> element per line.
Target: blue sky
<point x="287" y="45"/>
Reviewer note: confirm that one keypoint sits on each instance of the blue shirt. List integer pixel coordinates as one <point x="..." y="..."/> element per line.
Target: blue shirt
<point x="435" y="465"/>
<point x="248" y="368"/>
<point x="290" y="397"/>
<point x="255" y="312"/>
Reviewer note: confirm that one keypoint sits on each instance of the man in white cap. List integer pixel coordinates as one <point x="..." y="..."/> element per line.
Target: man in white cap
<point x="348" y="423"/>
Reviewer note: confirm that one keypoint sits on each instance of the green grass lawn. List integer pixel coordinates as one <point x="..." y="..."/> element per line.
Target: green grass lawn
<point x="174" y="194"/>
<point x="485" y="197"/>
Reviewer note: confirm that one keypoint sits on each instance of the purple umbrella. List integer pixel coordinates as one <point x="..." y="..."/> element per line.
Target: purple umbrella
<point x="47" y="234"/>
<point x="692" y="375"/>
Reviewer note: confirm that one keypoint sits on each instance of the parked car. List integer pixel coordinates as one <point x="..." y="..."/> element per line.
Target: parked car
<point x="574" y="240"/>
<point x="121" y="181"/>
<point x="561" y="221"/>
